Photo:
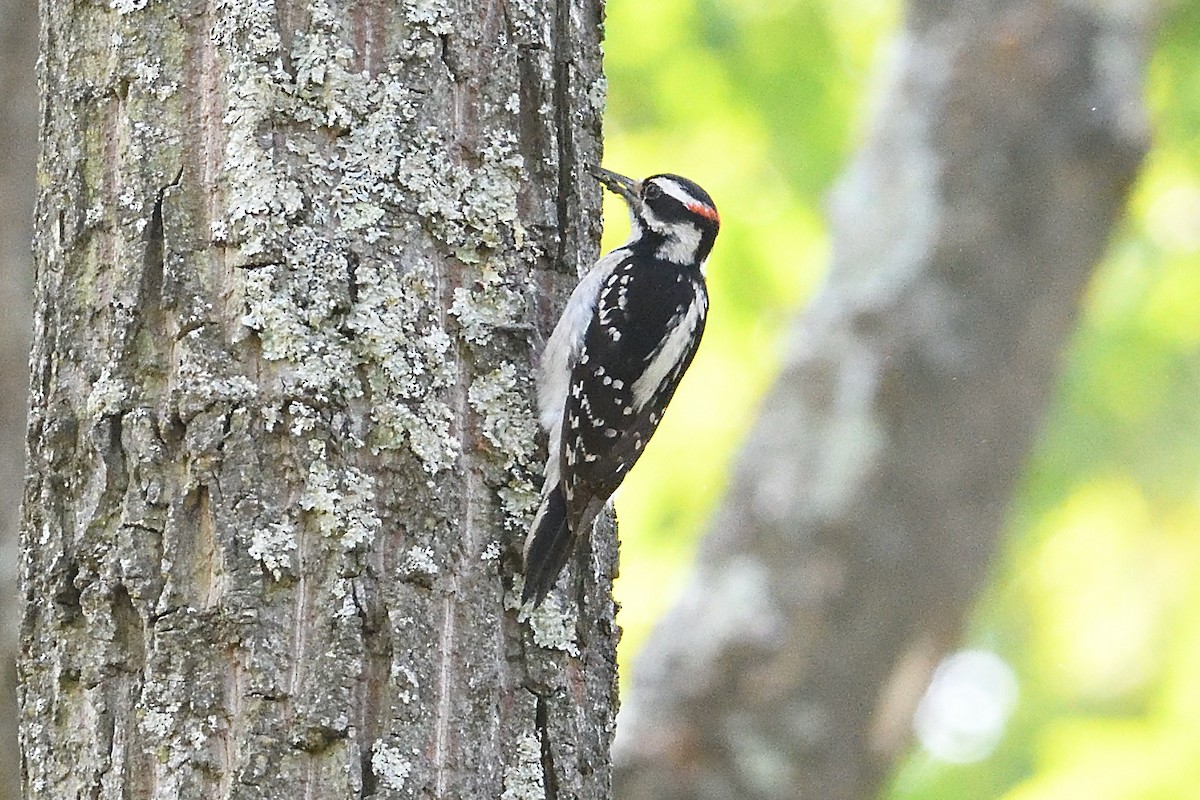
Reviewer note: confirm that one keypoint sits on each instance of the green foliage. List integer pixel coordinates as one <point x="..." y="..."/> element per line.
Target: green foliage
<point x="757" y="102"/>
<point x="1096" y="599"/>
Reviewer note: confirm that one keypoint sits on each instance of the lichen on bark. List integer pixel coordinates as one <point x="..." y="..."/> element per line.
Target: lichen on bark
<point x="294" y="262"/>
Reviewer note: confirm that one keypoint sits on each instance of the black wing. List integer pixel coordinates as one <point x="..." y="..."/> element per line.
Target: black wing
<point x="647" y="327"/>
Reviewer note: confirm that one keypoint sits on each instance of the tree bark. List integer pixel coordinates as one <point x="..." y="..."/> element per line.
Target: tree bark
<point x="868" y="499"/>
<point x="18" y="153"/>
<point x="293" y="262"/>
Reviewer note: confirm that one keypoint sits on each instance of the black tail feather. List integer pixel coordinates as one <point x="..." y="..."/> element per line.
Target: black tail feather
<point x="549" y="548"/>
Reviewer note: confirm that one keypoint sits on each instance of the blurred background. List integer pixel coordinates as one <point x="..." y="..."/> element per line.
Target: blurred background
<point x="1077" y="677"/>
<point x="18" y="151"/>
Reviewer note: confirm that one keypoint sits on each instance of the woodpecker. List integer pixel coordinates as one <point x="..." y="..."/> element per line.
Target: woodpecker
<point x="627" y="335"/>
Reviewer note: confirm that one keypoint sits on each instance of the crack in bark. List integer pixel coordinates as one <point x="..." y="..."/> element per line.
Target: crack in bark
<point x="369" y="781"/>
<point x="377" y="646"/>
<point x="351" y="281"/>
<point x="446" y="56"/>
<point x="562" y="119"/>
<point x="542" y="724"/>
<point x="154" y="260"/>
<point x="68" y="598"/>
<point x="250" y="265"/>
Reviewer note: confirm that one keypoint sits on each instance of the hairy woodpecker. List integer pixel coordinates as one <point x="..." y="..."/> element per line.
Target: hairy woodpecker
<point x="627" y="335"/>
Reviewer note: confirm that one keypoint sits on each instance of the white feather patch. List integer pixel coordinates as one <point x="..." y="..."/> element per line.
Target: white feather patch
<point x="682" y="244"/>
<point x="682" y="239"/>
<point x="667" y="357"/>
<point x="674" y="189"/>
<point x="566" y="342"/>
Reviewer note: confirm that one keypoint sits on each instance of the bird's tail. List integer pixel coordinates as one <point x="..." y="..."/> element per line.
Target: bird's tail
<point x="548" y="548"/>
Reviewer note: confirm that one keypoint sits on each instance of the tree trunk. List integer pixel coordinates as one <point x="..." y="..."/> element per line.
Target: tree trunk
<point x="18" y="152"/>
<point x="294" y="260"/>
<point x="868" y="499"/>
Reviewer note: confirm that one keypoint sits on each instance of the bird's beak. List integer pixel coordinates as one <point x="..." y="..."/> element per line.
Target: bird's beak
<point x="619" y="184"/>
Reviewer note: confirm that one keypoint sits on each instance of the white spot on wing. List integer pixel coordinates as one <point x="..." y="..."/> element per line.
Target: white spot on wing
<point x="666" y="358"/>
<point x="565" y="345"/>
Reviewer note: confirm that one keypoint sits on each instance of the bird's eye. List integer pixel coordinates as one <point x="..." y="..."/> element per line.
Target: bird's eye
<point x="651" y="192"/>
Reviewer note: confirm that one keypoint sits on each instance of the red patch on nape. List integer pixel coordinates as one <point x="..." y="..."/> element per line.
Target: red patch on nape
<point x="708" y="212"/>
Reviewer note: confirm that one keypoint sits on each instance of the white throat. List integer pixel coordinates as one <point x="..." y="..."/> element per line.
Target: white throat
<point x="682" y="244"/>
<point x="682" y="239"/>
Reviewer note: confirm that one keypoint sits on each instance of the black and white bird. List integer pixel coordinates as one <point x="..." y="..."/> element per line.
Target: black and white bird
<point x="627" y="335"/>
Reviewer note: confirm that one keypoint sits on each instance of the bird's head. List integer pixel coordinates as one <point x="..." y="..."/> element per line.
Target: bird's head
<point x="669" y="214"/>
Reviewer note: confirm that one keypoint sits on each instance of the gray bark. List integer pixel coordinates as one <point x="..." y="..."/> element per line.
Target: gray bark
<point x="868" y="499"/>
<point x="18" y="152"/>
<point x="293" y="262"/>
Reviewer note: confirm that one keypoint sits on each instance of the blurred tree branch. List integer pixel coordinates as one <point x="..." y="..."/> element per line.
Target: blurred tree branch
<point x="868" y="499"/>
<point x="18" y="151"/>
